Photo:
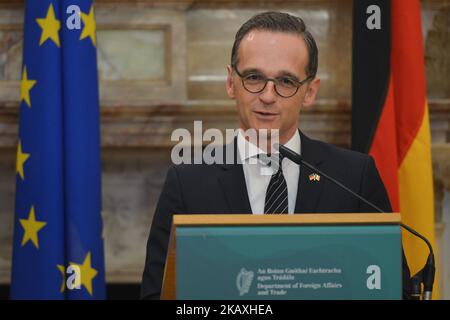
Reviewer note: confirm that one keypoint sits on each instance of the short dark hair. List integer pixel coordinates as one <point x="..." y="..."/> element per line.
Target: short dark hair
<point x="279" y="22"/>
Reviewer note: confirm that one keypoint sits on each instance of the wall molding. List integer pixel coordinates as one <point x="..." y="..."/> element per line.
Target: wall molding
<point x="151" y="125"/>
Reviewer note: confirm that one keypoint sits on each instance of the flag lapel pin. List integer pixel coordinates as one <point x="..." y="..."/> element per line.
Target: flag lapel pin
<point x="314" y="177"/>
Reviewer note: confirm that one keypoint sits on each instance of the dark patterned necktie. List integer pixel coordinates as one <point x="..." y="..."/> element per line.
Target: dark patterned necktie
<point x="277" y="193"/>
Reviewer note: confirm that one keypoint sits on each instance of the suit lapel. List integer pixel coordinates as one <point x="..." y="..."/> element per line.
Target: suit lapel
<point x="232" y="181"/>
<point x="309" y="190"/>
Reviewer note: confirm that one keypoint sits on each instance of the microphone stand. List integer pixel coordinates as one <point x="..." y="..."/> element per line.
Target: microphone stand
<point x="425" y="276"/>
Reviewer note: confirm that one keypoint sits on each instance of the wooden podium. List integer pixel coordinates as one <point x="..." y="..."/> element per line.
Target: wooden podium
<point x="346" y="239"/>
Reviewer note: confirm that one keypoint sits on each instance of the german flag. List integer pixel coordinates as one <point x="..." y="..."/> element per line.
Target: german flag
<point x="390" y="112"/>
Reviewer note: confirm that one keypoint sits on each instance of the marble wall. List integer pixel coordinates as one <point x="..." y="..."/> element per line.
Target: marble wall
<point x="162" y="66"/>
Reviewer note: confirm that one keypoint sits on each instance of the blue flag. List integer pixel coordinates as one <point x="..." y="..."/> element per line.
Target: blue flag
<point x="58" y="244"/>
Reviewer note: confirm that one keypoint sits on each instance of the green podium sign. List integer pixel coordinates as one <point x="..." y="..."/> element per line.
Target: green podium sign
<point x="287" y="260"/>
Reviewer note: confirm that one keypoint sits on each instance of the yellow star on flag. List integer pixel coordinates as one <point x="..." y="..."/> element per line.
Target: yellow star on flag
<point x="25" y="87"/>
<point x="21" y="158"/>
<point x="50" y="27"/>
<point x="87" y="272"/>
<point x="31" y="227"/>
<point x="63" y="273"/>
<point x="89" y="26"/>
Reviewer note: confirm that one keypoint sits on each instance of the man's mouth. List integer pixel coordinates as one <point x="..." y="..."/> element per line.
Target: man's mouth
<point x="265" y="115"/>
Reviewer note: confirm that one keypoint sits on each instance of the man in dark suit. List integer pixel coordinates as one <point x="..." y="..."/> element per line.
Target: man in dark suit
<point x="272" y="76"/>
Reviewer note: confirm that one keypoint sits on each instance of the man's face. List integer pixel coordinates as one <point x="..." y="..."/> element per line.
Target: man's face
<point x="273" y="55"/>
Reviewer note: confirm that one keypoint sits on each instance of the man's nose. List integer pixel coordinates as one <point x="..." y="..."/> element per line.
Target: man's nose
<point x="268" y="95"/>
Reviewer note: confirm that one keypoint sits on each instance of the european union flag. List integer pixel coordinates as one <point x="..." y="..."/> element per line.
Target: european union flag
<point x="58" y="244"/>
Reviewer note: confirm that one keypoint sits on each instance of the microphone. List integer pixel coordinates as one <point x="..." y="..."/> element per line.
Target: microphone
<point x="424" y="276"/>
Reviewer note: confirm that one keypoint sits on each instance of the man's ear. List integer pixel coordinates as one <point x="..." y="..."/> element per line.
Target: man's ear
<point x="230" y="83"/>
<point x="311" y="92"/>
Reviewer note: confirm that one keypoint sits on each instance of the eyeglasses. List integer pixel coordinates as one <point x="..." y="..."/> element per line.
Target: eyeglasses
<point x="255" y="82"/>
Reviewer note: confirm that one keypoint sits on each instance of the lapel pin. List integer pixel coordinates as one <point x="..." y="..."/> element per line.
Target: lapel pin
<point x="314" y="177"/>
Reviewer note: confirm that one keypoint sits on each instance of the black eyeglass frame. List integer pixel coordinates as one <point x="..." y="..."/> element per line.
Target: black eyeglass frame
<point x="299" y="83"/>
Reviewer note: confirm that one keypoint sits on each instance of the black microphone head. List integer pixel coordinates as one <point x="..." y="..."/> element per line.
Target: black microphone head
<point x="283" y="149"/>
<point x="288" y="153"/>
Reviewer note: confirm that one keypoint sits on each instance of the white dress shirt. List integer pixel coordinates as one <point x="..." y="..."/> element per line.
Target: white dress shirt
<point x="257" y="173"/>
